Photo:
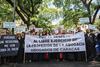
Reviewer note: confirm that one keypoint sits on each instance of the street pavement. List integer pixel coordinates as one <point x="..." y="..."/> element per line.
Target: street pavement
<point x="53" y="64"/>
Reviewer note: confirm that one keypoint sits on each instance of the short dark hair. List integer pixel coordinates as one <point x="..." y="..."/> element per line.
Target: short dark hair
<point x="32" y="31"/>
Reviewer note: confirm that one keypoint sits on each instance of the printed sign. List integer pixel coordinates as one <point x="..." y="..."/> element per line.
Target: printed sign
<point x="20" y="29"/>
<point x="84" y="20"/>
<point x="9" y="45"/>
<point x="9" y="25"/>
<point x="55" y="43"/>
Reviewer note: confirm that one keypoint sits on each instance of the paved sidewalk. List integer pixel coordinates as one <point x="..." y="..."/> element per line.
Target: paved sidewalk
<point x="53" y="64"/>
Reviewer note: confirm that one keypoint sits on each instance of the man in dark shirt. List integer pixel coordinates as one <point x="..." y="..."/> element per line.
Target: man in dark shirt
<point x="90" y="45"/>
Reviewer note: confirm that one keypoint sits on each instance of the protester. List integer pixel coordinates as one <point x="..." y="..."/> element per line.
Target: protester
<point x="79" y="56"/>
<point x="90" y="39"/>
<point x="21" y="38"/>
<point x="31" y="56"/>
<point x="61" y="54"/>
<point x="90" y="45"/>
<point x="98" y="47"/>
<point x="46" y="55"/>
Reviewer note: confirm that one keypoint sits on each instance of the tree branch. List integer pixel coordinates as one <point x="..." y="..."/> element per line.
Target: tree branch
<point x="89" y="3"/>
<point x="21" y="8"/>
<point x="95" y="14"/>
<point x="18" y="12"/>
<point x="84" y="3"/>
<point x="32" y="6"/>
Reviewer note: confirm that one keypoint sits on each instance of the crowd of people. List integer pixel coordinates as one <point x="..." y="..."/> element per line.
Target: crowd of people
<point x="92" y="48"/>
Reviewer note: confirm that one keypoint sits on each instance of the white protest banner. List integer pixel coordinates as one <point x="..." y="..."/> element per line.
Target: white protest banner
<point x="55" y="43"/>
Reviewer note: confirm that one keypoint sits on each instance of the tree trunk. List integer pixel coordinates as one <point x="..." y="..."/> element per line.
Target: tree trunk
<point x="19" y="13"/>
<point x="89" y="12"/>
<point x="95" y="14"/>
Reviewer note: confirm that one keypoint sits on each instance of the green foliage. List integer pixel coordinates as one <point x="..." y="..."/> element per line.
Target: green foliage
<point x="73" y="10"/>
<point x="97" y="23"/>
<point x="26" y="9"/>
<point x="38" y="12"/>
<point x="59" y="3"/>
<point x="6" y="12"/>
<point x="46" y="15"/>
